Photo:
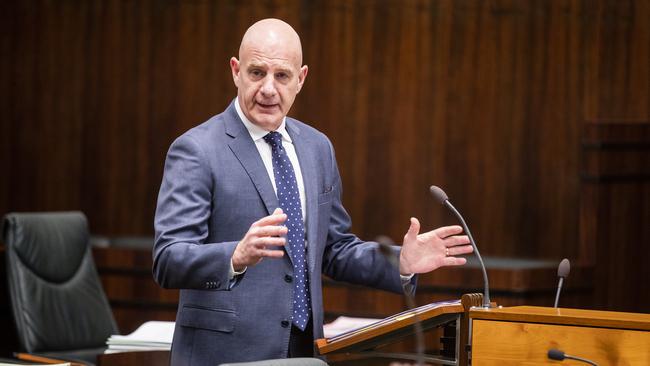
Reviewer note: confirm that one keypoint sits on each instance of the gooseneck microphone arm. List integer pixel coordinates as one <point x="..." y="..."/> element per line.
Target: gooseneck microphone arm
<point x="486" y="283"/>
<point x="441" y="196"/>
<point x="385" y="248"/>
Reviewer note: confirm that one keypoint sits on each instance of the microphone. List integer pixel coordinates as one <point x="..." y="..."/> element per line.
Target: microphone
<point x="556" y="354"/>
<point x="386" y="249"/>
<point x="441" y="196"/>
<point x="563" y="272"/>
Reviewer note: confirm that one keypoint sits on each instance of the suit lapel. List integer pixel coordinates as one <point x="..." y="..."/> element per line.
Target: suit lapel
<point x="244" y="149"/>
<point x="307" y="157"/>
<point x="246" y="152"/>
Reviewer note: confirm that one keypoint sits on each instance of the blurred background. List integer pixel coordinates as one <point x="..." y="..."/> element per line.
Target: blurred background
<point x="533" y="116"/>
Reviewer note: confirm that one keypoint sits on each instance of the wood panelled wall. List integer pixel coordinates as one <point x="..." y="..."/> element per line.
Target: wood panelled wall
<point x="487" y="99"/>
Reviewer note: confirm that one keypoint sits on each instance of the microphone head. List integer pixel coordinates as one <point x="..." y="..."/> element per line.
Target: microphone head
<point x="438" y="194"/>
<point x="386" y="249"/>
<point x="384" y="240"/>
<point x="555" y="354"/>
<point x="564" y="268"/>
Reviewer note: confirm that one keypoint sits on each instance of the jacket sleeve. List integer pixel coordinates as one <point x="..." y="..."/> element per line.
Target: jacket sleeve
<point x="350" y="259"/>
<point x="181" y="257"/>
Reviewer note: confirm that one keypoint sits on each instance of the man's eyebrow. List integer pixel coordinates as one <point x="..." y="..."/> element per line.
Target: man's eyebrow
<point x="287" y="69"/>
<point x="256" y="64"/>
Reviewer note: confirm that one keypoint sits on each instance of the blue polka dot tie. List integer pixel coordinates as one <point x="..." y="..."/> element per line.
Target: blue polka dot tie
<point x="289" y="197"/>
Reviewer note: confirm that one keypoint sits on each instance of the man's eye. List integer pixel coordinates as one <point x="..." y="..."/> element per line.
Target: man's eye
<point x="257" y="73"/>
<point x="282" y="76"/>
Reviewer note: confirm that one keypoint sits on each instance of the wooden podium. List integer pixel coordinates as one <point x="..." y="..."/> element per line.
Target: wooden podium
<point x="520" y="335"/>
<point x="368" y="341"/>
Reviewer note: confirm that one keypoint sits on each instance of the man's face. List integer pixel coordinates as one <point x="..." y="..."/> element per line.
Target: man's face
<point x="268" y="78"/>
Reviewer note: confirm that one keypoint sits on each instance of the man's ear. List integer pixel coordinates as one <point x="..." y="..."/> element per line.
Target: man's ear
<point x="302" y="76"/>
<point x="234" y="67"/>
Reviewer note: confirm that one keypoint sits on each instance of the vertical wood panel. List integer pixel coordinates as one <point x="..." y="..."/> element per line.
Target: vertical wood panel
<point x="618" y="76"/>
<point x="615" y="142"/>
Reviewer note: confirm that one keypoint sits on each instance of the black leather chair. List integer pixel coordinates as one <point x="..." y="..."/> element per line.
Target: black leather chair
<point x="58" y="303"/>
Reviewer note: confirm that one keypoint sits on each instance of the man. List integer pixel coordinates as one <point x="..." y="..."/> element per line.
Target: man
<point x="249" y="215"/>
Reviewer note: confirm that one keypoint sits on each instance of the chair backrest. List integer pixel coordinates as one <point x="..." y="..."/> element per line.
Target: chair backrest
<point x="57" y="298"/>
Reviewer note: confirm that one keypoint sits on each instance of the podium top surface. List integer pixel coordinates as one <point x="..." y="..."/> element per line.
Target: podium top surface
<point x="393" y="327"/>
<point x="577" y="317"/>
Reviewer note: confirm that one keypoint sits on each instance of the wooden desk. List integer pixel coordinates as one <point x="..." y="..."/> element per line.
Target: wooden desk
<point x="148" y="358"/>
<point x="522" y="335"/>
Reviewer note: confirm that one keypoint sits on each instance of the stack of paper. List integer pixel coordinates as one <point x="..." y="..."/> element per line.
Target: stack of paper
<point x="344" y="324"/>
<point x="150" y="336"/>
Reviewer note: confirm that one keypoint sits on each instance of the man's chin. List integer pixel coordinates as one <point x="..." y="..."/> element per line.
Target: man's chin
<point x="267" y="121"/>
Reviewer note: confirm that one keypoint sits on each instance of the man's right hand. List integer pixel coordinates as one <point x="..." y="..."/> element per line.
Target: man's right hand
<point x="266" y="232"/>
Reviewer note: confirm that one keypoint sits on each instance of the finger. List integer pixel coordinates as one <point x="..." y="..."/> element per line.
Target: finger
<point x="455" y="240"/>
<point x="454" y="261"/>
<point x="413" y="231"/>
<point x="277" y="218"/>
<point x="269" y="241"/>
<point x="261" y="231"/>
<point x="460" y="250"/>
<point x="446" y="231"/>
<point x="270" y="253"/>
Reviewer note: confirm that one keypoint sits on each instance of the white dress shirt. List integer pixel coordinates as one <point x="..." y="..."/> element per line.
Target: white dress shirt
<point x="257" y="134"/>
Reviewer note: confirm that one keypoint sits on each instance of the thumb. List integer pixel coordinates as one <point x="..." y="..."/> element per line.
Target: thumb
<point x="277" y="210"/>
<point x="414" y="230"/>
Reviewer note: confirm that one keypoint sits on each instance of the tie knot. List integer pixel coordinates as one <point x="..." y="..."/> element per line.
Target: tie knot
<point x="274" y="139"/>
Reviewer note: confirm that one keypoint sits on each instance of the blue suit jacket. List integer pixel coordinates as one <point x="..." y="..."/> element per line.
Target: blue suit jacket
<point x="214" y="187"/>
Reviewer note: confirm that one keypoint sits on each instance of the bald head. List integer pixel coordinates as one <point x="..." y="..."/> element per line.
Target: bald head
<point x="272" y="34"/>
<point x="269" y="72"/>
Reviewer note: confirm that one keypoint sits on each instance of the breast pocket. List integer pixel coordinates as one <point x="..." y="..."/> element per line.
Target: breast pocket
<point x="325" y="197"/>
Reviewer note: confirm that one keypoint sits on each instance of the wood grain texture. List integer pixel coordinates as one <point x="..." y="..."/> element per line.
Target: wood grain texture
<point x="150" y="358"/>
<point x="615" y="210"/>
<point x="528" y="343"/>
<point x="133" y="294"/>
<point x="484" y="98"/>
<point x="526" y="333"/>
<point x="376" y="335"/>
<point x="563" y="316"/>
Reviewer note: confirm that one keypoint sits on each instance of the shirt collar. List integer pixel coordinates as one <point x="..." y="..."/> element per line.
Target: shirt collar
<point x="258" y="132"/>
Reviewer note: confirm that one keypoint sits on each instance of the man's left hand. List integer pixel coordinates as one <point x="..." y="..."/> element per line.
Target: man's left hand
<point x="422" y="253"/>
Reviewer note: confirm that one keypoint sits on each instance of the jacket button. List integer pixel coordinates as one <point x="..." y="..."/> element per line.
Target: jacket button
<point x="284" y="323"/>
<point x="288" y="278"/>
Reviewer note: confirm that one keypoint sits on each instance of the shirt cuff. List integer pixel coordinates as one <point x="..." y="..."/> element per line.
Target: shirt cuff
<point x="232" y="273"/>
<point x="408" y="285"/>
<point x="406" y="278"/>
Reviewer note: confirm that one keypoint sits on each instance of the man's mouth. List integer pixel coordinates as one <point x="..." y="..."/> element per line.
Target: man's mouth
<point x="266" y="106"/>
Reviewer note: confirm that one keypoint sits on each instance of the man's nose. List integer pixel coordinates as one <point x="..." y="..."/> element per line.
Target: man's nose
<point x="268" y="86"/>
